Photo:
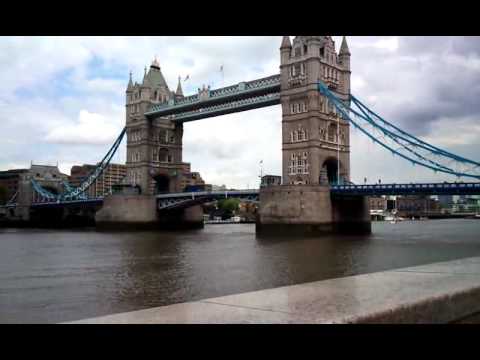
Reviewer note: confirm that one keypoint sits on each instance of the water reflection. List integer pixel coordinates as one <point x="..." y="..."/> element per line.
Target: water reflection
<point x="53" y="276"/>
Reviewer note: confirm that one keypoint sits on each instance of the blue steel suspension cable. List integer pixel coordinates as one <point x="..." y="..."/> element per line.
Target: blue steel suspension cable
<point x="100" y="168"/>
<point x="395" y="138"/>
<point x="417" y="142"/>
<point x="339" y="105"/>
<point x="386" y="131"/>
<point x="78" y="191"/>
<point x="442" y="151"/>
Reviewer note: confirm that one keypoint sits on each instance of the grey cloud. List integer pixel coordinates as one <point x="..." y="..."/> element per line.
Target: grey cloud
<point x="420" y="83"/>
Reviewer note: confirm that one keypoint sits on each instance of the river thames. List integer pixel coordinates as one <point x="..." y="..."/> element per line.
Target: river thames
<point x="49" y="276"/>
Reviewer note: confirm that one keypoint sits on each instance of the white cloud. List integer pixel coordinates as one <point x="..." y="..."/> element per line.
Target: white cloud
<point x="91" y="128"/>
<point x="72" y="111"/>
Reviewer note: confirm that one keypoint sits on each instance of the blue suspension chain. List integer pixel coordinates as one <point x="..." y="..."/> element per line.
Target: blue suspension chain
<point x="341" y="106"/>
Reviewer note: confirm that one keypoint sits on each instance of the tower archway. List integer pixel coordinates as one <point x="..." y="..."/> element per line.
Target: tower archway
<point x="162" y="184"/>
<point x="329" y="171"/>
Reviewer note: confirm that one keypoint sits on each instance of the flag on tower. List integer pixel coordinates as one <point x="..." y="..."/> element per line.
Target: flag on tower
<point x="186" y="78"/>
<point x="221" y="68"/>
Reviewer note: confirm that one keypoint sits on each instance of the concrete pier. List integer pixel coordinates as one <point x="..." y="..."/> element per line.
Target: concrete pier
<point x="140" y="212"/>
<point x="127" y="211"/>
<point x="310" y="209"/>
<point x="442" y="292"/>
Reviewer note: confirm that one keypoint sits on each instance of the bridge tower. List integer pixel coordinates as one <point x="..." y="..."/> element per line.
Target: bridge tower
<point x="315" y="139"/>
<point x="154" y="146"/>
<point x="315" y="145"/>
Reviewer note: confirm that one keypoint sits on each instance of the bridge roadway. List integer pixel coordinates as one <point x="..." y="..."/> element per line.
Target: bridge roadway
<point x="185" y="199"/>
<point x="241" y="97"/>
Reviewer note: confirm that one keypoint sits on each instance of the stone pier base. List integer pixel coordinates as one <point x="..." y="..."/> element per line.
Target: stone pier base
<point x="189" y="218"/>
<point x="139" y="212"/>
<point x="310" y="210"/>
<point x="127" y="212"/>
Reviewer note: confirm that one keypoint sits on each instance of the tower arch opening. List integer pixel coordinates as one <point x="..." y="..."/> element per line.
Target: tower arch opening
<point x="329" y="172"/>
<point x="162" y="184"/>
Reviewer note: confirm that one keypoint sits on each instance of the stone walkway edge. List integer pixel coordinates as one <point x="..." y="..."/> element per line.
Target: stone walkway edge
<point x="442" y="292"/>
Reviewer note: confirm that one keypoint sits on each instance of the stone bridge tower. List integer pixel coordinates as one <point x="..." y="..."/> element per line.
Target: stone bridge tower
<point x="154" y="146"/>
<point x="315" y="139"/>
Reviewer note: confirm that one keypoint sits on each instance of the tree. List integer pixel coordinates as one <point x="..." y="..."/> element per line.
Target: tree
<point x="229" y="205"/>
<point x="3" y="195"/>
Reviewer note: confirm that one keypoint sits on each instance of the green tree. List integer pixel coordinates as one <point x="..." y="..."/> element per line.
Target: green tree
<point x="3" y="195"/>
<point x="229" y="205"/>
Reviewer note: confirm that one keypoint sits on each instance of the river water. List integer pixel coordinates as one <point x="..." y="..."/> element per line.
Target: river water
<point x="50" y="276"/>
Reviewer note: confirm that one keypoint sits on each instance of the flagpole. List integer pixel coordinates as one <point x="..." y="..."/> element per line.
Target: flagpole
<point x="223" y="76"/>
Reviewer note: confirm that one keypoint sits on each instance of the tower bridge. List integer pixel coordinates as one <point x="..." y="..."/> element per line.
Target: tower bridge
<point x="318" y="110"/>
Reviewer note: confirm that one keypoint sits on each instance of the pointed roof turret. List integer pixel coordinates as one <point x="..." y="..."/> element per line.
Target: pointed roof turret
<point x="145" y="81"/>
<point x="286" y="42"/>
<point x="344" y="50"/>
<point x="130" y="82"/>
<point x="154" y="77"/>
<point x="179" y="87"/>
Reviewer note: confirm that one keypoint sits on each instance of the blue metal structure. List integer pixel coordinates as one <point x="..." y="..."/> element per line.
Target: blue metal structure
<point x="407" y="189"/>
<point x="399" y="142"/>
<point x="81" y="202"/>
<point x="78" y="193"/>
<point x="186" y="199"/>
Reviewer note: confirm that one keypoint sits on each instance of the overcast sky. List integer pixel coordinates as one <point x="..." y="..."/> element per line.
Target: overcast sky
<point x="62" y="100"/>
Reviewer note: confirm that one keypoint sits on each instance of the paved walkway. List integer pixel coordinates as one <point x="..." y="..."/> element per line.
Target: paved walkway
<point x="434" y="293"/>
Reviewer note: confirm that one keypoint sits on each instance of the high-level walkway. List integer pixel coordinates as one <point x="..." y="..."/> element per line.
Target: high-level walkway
<point x="435" y="293"/>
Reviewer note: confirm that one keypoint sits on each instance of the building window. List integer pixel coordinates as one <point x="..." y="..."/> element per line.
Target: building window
<point x="169" y="158"/>
<point x="332" y="133"/>
<point x="162" y="136"/>
<point x="298" y="69"/>
<point x="322" y="52"/>
<point x="299" y="164"/>
<point x="297" y="52"/>
<point x="305" y="49"/>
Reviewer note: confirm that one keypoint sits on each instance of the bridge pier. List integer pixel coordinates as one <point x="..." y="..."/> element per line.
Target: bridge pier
<point x="139" y="212"/>
<point x="188" y="218"/>
<point x="310" y="210"/>
<point x="121" y="211"/>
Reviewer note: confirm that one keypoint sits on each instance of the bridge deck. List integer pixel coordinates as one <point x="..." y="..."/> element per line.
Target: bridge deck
<point x="175" y="199"/>
<point x="408" y="189"/>
<point x="240" y="97"/>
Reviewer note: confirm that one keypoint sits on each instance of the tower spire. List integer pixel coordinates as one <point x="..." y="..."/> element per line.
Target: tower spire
<point x="130" y="82"/>
<point x="179" y="91"/>
<point x="286" y="42"/>
<point x="344" y="50"/>
<point x="155" y="63"/>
